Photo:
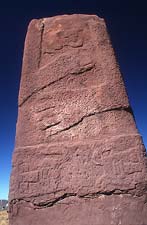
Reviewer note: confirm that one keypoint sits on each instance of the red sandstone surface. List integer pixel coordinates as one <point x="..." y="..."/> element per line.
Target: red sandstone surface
<point x="78" y="159"/>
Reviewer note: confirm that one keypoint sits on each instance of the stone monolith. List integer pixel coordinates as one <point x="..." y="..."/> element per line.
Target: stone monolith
<point x="78" y="159"/>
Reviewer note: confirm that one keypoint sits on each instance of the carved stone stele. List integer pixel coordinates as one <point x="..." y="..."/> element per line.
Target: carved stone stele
<point x="78" y="159"/>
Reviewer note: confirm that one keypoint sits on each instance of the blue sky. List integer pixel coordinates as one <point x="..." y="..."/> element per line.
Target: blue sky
<point x="127" y="28"/>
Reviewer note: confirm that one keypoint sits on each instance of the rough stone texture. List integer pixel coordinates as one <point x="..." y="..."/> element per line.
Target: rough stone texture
<point x="78" y="159"/>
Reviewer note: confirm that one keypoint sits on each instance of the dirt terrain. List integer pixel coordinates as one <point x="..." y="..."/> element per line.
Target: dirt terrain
<point x="3" y="218"/>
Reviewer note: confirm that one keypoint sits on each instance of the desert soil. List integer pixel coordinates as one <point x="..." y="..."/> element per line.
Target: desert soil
<point x="3" y="218"/>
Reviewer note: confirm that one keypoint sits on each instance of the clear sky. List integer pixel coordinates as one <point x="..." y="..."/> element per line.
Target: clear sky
<point x="127" y="25"/>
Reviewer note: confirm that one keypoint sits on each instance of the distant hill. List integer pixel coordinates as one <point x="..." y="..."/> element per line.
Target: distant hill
<point x="3" y="204"/>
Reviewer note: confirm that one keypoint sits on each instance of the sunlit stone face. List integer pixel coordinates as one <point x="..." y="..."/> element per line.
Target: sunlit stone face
<point x="78" y="159"/>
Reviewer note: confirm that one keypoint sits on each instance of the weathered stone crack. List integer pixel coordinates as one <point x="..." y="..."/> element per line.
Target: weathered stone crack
<point x="55" y="81"/>
<point x="41" y="40"/>
<point x="42" y="110"/>
<point x="47" y="204"/>
<point x="40" y="89"/>
<point x="51" y="125"/>
<point x="50" y="203"/>
<point x="128" y="109"/>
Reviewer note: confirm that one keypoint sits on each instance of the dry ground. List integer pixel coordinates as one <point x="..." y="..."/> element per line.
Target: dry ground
<point x="3" y="218"/>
